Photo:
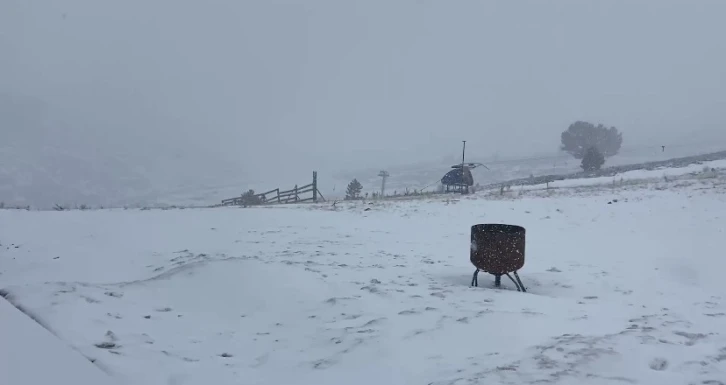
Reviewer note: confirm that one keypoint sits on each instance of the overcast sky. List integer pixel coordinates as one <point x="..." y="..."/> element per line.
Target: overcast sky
<point x="310" y="83"/>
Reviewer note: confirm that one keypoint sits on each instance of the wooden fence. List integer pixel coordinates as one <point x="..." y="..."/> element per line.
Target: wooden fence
<point x="295" y="195"/>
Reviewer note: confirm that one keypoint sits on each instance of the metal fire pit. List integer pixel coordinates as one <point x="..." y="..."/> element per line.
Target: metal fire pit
<point x="498" y="250"/>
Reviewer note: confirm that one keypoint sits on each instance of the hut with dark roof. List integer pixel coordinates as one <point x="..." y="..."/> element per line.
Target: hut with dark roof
<point x="459" y="179"/>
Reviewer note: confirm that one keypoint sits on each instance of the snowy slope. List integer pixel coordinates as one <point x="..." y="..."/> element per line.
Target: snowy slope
<point x="701" y="170"/>
<point x="626" y="291"/>
<point x="45" y="160"/>
<point x="30" y="355"/>
<point x="427" y="174"/>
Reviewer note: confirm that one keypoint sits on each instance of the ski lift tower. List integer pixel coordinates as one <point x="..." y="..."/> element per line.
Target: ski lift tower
<point x="384" y="175"/>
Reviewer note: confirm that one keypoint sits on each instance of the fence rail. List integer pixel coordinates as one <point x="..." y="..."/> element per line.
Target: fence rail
<point x="294" y="195"/>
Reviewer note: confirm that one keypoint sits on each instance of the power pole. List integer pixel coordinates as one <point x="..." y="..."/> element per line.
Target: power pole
<point x="463" y="175"/>
<point x="384" y="175"/>
<point x="463" y="152"/>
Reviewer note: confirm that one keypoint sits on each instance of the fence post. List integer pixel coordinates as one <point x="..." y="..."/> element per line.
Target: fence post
<point x="278" y="194"/>
<point x="315" y="187"/>
<point x="296" y="197"/>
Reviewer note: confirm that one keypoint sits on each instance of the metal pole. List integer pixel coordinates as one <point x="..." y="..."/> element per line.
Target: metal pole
<point x="463" y="175"/>
<point x="463" y="151"/>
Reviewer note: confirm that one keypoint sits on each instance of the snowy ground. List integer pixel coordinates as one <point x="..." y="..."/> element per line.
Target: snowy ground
<point x="703" y="170"/>
<point x="30" y="355"/>
<point x="625" y="287"/>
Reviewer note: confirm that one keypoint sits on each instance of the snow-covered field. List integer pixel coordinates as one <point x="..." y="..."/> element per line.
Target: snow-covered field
<point x="427" y="174"/>
<point x="700" y="171"/>
<point x="30" y="355"/>
<point x="625" y="286"/>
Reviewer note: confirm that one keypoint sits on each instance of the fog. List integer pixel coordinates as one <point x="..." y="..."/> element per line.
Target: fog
<point x="142" y="94"/>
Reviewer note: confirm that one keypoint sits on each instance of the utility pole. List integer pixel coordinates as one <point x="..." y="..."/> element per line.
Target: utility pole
<point x="384" y="175"/>
<point x="463" y="175"/>
<point x="463" y="152"/>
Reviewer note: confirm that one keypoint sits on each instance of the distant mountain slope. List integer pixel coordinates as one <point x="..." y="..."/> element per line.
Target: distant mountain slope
<point x="46" y="161"/>
<point x="427" y="175"/>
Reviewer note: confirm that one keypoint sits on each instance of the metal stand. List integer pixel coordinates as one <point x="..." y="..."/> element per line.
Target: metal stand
<point x="498" y="280"/>
<point x="515" y="282"/>
<point x="520" y="282"/>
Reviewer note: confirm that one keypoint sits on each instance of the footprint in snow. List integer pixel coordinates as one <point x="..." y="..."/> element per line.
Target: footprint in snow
<point x="323" y="364"/>
<point x="373" y="322"/>
<point x="147" y="339"/>
<point x="692" y="338"/>
<point x="106" y="345"/>
<point x="335" y="300"/>
<point x="659" y="364"/>
<point x="370" y="289"/>
<point x="90" y="299"/>
<point x="486" y="300"/>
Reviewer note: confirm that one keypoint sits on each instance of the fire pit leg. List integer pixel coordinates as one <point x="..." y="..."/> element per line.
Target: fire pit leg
<point x="520" y="282"/>
<point x="475" y="278"/>
<point x="515" y="282"/>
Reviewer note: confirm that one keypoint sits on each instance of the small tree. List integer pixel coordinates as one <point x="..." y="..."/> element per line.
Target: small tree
<point x="593" y="160"/>
<point x="250" y="198"/>
<point x="353" y="190"/>
<point x="580" y="136"/>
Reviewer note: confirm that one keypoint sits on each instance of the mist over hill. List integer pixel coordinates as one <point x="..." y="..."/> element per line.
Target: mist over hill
<point x="112" y="103"/>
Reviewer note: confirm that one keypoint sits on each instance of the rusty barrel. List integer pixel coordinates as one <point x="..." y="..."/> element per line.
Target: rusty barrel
<point x="497" y="248"/>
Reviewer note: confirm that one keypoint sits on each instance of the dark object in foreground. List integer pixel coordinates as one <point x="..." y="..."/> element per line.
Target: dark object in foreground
<point x="497" y="249"/>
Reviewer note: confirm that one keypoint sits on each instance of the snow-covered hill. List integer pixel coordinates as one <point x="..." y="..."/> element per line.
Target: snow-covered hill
<point x="426" y="175"/>
<point x="624" y="286"/>
<point x="45" y="160"/>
